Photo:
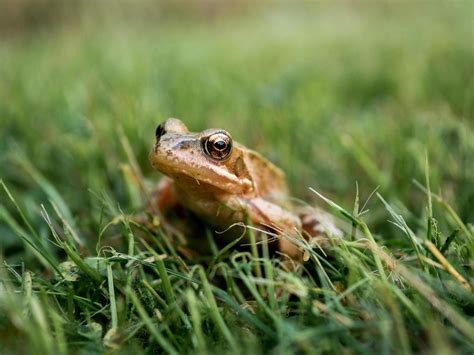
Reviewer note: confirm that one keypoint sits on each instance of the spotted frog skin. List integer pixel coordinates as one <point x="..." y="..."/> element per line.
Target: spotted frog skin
<point x="223" y="183"/>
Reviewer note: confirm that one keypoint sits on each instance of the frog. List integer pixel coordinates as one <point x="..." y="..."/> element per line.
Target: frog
<point x="228" y="187"/>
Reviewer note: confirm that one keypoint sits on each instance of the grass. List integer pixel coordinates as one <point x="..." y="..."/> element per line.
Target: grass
<point x="345" y="98"/>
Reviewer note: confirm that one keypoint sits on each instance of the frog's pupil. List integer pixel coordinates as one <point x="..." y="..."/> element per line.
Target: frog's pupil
<point x="219" y="145"/>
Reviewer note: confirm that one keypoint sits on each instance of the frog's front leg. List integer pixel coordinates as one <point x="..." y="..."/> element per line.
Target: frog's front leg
<point x="177" y="221"/>
<point x="281" y="221"/>
<point x="318" y="226"/>
<point x="164" y="197"/>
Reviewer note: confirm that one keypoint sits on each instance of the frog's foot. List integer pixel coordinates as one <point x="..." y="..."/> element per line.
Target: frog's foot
<point x="317" y="226"/>
<point x="280" y="222"/>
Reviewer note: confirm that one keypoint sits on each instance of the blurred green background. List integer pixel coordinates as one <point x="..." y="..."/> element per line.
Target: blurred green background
<point x="332" y="93"/>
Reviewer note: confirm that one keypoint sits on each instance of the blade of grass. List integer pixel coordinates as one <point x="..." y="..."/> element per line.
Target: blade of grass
<point x="400" y="223"/>
<point x="447" y="266"/>
<point x="70" y="251"/>
<point x="43" y="330"/>
<point x="113" y="304"/>
<point x="226" y="248"/>
<point x="355" y="212"/>
<point x="196" y="321"/>
<point x="243" y="313"/>
<point x="46" y="259"/>
<point x="72" y="235"/>
<point x="221" y="325"/>
<point x="456" y="319"/>
<point x="60" y="336"/>
<point x="400" y="328"/>
<point x="449" y="240"/>
<point x="449" y="209"/>
<point x="166" y="283"/>
<point x="428" y="195"/>
<point x="35" y="241"/>
<point x="154" y="331"/>
<point x="358" y="222"/>
<point x="48" y="188"/>
<point x="254" y="249"/>
<point x="268" y="267"/>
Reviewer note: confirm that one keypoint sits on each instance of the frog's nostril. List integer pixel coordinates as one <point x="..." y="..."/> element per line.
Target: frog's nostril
<point x="160" y="130"/>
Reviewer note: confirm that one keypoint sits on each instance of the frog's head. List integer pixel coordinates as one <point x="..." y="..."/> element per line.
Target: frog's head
<point x="209" y="157"/>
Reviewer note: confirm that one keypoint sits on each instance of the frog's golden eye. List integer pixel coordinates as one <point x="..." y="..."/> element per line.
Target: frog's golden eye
<point x="218" y="146"/>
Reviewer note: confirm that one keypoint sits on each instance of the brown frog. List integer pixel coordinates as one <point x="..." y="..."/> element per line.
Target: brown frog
<point x="223" y="183"/>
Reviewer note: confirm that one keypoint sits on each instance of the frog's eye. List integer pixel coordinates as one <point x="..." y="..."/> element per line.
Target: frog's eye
<point x="160" y="130"/>
<point x="218" y="146"/>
